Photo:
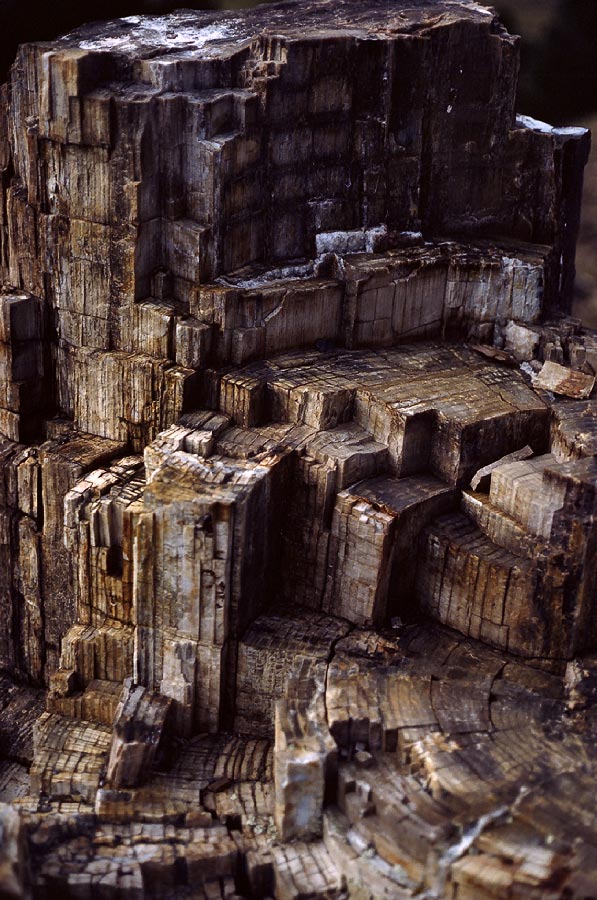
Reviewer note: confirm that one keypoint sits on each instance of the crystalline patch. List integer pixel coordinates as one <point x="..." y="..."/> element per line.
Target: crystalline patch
<point x="159" y="30"/>
<point x="344" y="242"/>
<point x="544" y="128"/>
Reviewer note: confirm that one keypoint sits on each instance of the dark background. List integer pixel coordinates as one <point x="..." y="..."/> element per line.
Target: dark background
<point x="558" y="83"/>
<point x="558" y="79"/>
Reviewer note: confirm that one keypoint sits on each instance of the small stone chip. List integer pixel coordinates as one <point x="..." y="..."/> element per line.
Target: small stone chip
<point x="568" y="382"/>
<point x="481" y="480"/>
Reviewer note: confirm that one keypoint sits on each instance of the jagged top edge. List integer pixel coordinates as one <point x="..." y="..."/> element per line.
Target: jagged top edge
<point x="211" y="32"/>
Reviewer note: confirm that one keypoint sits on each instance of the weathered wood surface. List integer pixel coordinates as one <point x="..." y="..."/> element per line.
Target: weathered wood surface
<point x="278" y="286"/>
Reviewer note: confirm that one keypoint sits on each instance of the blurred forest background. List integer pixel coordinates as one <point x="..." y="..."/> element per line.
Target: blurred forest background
<point x="558" y="80"/>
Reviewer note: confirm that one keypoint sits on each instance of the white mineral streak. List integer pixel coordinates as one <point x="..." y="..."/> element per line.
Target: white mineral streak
<point x="534" y="124"/>
<point x="527" y="368"/>
<point x="457" y="850"/>
<point x="537" y="125"/>
<point x="327" y="242"/>
<point x="159" y="30"/>
<point x="573" y="131"/>
<point x="285" y="273"/>
<point x="345" y="242"/>
<point x="521" y="341"/>
<point x="472" y="6"/>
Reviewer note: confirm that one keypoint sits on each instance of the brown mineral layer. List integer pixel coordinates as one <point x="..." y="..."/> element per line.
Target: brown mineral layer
<point x="278" y="287"/>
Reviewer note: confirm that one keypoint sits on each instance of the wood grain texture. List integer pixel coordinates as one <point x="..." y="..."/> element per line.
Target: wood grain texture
<point x="277" y="287"/>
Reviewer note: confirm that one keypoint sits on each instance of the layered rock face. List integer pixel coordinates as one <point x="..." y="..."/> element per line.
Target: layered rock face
<point x="277" y="285"/>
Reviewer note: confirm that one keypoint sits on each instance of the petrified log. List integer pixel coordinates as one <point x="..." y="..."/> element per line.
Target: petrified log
<point x="278" y="286"/>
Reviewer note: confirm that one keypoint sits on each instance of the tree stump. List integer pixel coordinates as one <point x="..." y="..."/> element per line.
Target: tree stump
<point x="298" y="494"/>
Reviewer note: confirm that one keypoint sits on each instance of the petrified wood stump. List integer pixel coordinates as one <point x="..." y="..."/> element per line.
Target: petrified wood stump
<point x="298" y="478"/>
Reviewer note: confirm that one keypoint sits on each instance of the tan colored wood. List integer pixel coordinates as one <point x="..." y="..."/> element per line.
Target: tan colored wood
<point x="276" y="284"/>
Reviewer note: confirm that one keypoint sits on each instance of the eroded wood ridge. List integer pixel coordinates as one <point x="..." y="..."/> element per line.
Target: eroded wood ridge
<point x="298" y="487"/>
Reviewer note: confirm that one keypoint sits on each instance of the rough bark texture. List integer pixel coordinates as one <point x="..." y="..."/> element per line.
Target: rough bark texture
<point x="279" y="287"/>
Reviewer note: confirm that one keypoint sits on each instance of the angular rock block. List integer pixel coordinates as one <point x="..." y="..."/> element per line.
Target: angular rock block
<point x="305" y="756"/>
<point x="373" y="529"/>
<point x="466" y="582"/>
<point x="138" y="727"/>
<point x="502" y="582"/>
<point x="271" y="649"/>
<point x="203" y="589"/>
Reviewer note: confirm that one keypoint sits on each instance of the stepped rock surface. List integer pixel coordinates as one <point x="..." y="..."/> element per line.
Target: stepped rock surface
<point x="278" y="286"/>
